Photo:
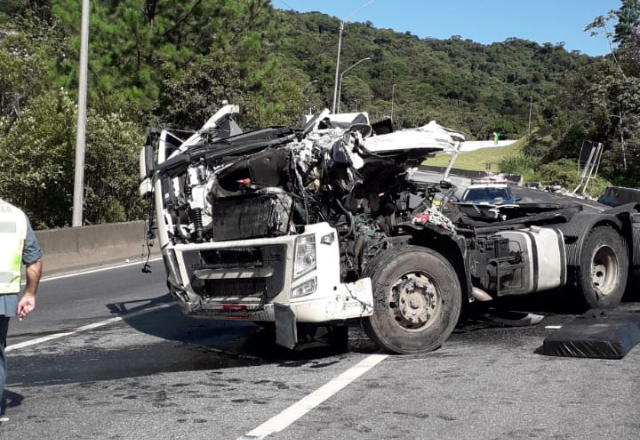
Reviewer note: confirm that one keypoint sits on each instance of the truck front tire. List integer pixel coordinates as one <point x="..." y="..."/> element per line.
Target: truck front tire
<point x="417" y="300"/>
<point x="604" y="268"/>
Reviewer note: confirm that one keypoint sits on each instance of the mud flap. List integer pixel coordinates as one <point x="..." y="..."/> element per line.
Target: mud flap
<point x="286" y="333"/>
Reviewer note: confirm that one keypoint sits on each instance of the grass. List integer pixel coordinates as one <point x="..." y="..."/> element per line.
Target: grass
<point x="476" y="160"/>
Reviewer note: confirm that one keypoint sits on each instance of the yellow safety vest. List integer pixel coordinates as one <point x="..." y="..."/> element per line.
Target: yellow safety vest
<point x="13" y="232"/>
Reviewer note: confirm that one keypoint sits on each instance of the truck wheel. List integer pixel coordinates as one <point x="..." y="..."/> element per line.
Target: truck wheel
<point x="604" y="268"/>
<point x="417" y="300"/>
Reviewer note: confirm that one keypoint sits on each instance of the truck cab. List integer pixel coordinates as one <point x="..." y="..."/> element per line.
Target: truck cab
<point x="324" y="224"/>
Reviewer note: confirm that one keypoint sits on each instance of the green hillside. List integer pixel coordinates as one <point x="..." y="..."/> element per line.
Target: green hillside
<point x="472" y="87"/>
<point x="173" y="63"/>
<point x="476" y="160"/>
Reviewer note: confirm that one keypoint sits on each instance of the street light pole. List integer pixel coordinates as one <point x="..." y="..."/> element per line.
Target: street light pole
<point x="340" y="79"/>
<point x="309" y="99"/>
<point x="336" y="85"/>
<point x="624" y="153"/>
<point x="78" y="184"/>
<point x="530" y="111"/>
<point x="335" y="88"/>
<point x="393" y="92"/>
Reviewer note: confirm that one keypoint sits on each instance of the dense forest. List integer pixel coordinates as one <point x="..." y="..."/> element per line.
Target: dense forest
<point x="172" y="62"/>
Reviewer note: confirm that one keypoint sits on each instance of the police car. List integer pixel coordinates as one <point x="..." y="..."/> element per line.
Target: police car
<point x="489" y="191"/>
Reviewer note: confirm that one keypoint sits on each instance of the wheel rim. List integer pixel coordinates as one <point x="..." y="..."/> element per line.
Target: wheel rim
<point x="414" y="301"/>
<point x="604" y="270"/>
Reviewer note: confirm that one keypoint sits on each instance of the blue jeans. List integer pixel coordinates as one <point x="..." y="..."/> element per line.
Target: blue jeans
<point x="4" y="327"/>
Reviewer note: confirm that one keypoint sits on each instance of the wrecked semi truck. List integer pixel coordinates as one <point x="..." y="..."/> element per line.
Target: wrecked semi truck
<point x="326" y="224"/>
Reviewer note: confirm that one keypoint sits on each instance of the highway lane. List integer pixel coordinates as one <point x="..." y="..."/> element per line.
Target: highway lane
<point x="63" y="387"/>
<point x="160" y="375"/>
<point x="68" y="302"/>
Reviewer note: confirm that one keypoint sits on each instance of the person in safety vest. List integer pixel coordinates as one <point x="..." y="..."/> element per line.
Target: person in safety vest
<point x="18" y="245"/>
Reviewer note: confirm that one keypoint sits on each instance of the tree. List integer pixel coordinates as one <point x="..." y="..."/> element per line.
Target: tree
<point x="615" y="95"/>
<point x="628" y="21"/>
<point x="630" y="55"/>
<point x="136" y="45"/>
<point x="173" y="62"/>
<point x="37" y="171"/>
<point x="23" y="71"/>
<point x="111" y="184"/>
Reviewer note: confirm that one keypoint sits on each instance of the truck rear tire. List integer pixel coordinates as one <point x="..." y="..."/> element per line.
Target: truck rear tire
<point x="417" y="300"/>
<point x="604" y="268"/>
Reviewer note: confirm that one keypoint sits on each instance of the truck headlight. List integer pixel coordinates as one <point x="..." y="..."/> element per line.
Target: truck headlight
<point x="305" y="255"/>
<point x="304" y="289"/>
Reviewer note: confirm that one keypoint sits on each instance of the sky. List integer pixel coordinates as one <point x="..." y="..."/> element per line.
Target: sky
<point x="483" y="21"/>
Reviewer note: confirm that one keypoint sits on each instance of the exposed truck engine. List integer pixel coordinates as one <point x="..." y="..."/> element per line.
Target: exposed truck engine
<point x="326" y="224"/>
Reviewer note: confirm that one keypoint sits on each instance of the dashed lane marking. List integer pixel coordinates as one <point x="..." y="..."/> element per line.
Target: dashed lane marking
<point x="302" y="407"/>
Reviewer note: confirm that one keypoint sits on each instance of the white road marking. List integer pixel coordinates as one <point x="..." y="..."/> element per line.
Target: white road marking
<point x="553" y="327"/>
<point x="102" y="269"/>
<point x="302" y="407"/>
<point x="84" y="328"/>
<point x="273" y="425"/>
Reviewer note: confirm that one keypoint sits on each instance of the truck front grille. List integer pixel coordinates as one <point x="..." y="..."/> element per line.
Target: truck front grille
<point x="239" y="288"/>
<point x="241" y="274"/>
<point x="232" y="258"/>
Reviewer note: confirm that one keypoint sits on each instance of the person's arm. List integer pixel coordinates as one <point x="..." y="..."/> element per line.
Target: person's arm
<point x="28" y="301"/>
<point x="32" y="258"/>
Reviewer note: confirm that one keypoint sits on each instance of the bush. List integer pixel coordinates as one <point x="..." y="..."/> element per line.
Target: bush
<point x="38" y="156"/>
<point x="37" y="150"/>
<point x="565" y="173"/>
<point x="521" y="164"/>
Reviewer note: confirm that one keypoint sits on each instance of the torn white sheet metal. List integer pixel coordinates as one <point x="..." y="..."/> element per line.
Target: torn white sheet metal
<point x="225" y="112"/>
<point x="430" y="136"/>
<point x="351" y="300"/>
<point x="345" y="120"/>
<point x="434" y="127"/>
<point x="325" y="120"/>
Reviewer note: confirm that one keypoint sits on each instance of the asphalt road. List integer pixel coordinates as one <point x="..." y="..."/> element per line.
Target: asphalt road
<point x="156" y="374"/>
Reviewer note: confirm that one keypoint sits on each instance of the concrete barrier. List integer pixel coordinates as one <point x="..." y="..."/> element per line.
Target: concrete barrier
<point x="69" y="249"/>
